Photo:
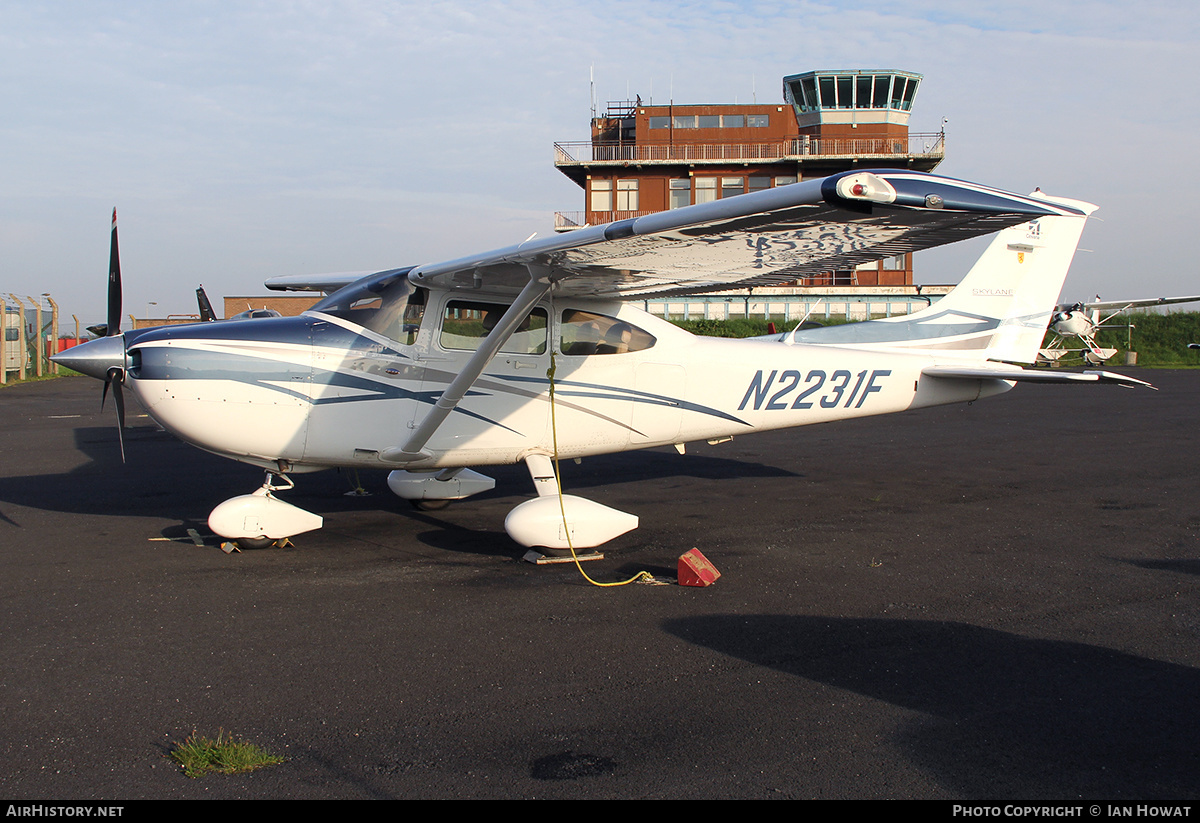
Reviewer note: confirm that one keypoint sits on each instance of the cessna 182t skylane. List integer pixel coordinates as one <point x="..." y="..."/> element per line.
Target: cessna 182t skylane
<point x="533" y="351"/>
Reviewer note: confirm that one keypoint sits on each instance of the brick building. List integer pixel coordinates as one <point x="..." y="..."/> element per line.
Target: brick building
<point x="647" y="158"/>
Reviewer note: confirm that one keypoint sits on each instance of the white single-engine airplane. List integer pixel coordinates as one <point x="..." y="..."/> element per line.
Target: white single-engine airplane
<point x="532" y="352"/>
<point x="1083" y="321"/>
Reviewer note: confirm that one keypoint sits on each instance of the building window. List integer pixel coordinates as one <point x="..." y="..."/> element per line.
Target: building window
<point x="602" y="195"/>
<point x="710" y="121"/>
<point x="627" y="195"/>
<point x="862" y="97"/>
<point x="759" y="183"/>
<point x="811" y="101"/>
<point x="706" y="189"/>
<point x="732" y="186"/>
<point x="882" y="85"/>
<point x="903" y="91"/>
<point x="845" y="92"/>
<point x="784" y="181"/>
<point x="828" y="92"/>
<point x="681" y="194"/>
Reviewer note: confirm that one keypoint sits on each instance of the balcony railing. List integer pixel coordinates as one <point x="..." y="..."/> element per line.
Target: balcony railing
<point x="915" y="145"/>
<point x="564" y="220"/>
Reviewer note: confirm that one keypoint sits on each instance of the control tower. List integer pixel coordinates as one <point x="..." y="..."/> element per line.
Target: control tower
<point x="645" y="158"/>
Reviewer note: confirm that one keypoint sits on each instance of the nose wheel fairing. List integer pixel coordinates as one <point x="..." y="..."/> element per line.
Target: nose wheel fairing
<point x="262" y="516"/>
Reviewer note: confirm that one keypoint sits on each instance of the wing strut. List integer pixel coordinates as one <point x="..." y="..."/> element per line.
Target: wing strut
<point x="412" y="451"/>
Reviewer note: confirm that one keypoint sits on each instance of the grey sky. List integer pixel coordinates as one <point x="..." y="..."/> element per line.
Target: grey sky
<point x="245" y="140"/>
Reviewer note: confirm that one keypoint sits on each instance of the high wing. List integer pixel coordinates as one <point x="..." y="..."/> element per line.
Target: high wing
<point x="758" y="239"/>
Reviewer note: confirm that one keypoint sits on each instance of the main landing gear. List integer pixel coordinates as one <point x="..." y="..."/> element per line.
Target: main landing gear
<point x="540" y="522"/>
<point x="260" y="519"/>
<point x="534" y="523"/>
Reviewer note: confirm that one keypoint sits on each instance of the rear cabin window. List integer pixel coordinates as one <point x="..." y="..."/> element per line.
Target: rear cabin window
<point x="585" y="333"/>
<point x="465" y="324"/>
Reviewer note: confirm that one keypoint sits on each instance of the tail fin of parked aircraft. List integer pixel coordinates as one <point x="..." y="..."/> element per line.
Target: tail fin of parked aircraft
<point x="999" y="311"/>
<point x="206" y="309"/>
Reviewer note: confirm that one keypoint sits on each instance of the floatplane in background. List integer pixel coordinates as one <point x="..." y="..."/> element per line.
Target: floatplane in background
<point x="1083" y="321"/>
<point x="534" y="352"/>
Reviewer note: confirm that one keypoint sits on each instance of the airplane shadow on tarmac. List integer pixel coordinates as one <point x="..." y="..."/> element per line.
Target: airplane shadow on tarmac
<point x="165" y="477"/>
<point x="1005" y="715"/>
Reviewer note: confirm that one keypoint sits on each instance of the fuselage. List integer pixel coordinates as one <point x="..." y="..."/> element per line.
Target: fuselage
<point x="1073" y="322"/>
<point x="322" y="390"/>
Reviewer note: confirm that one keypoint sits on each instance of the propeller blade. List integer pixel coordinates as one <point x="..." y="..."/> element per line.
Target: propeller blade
<point x="114" y="283"/>
<point x="119" y="397"/>
<point x="116" y="376"/>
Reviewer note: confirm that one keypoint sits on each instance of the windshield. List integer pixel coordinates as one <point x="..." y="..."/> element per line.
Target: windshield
<point x="392" y="307"/>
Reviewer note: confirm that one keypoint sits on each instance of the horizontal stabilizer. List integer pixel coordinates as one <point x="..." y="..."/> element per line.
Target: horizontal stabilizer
<point x="1031" y="376"/>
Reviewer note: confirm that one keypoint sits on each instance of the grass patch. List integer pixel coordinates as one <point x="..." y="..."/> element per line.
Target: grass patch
<point x="30" y="377"/>
<point x="747" y="326"/>
<point x="1159" y="339"/>
<point x="199" y="755"/>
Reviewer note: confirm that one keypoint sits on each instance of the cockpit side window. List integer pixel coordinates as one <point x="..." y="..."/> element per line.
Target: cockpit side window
<point x="585" y="333"/>
<point x="393" y="310"/>
<point x="466" y="323"/>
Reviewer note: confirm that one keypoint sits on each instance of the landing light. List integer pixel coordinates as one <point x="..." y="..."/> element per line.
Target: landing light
<point x="866" y="186"/>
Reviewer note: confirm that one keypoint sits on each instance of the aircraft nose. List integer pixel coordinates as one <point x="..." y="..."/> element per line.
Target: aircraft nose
<point x="95" y="357"/>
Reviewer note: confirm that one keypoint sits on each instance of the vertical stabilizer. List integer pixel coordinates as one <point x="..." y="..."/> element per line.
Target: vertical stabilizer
<point x="1017" y="282"/>
<point x="1000" y="309"/>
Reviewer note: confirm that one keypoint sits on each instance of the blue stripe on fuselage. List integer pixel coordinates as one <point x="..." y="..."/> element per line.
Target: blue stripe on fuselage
<point x="299" y="331"/>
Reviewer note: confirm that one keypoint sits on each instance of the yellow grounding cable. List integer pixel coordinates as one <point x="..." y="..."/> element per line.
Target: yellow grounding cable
<point x="640" y="576"/>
